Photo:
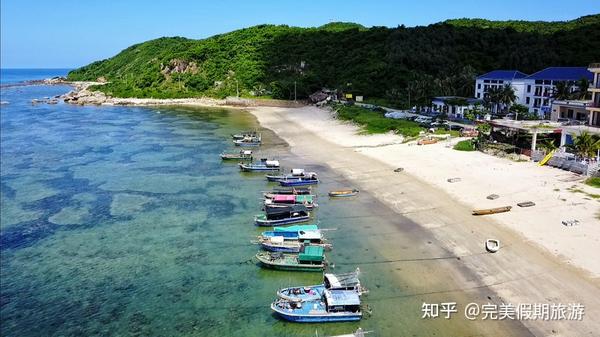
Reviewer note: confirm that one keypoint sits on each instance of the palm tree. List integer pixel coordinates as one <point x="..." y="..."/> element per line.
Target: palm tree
<point x="494" y="97"/>
<point x="562" y="90"/>
<point x="582" y="91"/>
<point x="507" y="96"/>
<point x="586" y="145"/>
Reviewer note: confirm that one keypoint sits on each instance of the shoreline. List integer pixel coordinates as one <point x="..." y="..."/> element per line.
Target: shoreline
<point x="524" y="271"/>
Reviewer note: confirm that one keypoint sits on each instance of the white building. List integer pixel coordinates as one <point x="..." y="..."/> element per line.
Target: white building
<point x="454" y="106"/>
<point x="594" y="107"/>
<point x="500" y="78"/>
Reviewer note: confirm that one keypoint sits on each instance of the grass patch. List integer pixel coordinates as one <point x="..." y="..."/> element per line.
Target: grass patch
<point x="375" y="122"/>
<point x="594" y="182"/>
<point x="464" y="145"/>
<point x="591" y="195"/>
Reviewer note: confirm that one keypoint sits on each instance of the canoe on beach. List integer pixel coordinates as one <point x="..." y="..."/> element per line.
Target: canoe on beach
<point x="343" y="193"/>
<point x="487" y="211"/>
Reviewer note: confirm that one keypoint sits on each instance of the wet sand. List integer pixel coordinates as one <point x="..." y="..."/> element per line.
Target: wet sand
<point x="439" y="246"/>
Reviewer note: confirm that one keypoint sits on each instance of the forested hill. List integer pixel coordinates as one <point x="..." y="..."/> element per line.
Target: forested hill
<point x="377" y="62"/>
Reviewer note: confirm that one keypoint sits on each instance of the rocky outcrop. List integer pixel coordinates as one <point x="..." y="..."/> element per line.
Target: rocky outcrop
<point x="178" y="66"/>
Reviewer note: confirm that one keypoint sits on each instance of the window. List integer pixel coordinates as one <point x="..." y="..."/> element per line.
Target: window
<point x="478" y="86"/>
<point x="538" y="81"/>
<point x="500" y="81"/>
<point x="486" y="81"/>
<point x="494" y="81"/>
<point x="569" y="113"/>
<point x="529" y="88"/>
<point x="548" y="82"/>
<point x="527" y="100"/>
<point x="478" y="95"/>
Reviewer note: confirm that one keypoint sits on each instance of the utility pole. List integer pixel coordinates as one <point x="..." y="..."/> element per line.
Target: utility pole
<point x="294" y="91"/>
<point x="237" y="88"/>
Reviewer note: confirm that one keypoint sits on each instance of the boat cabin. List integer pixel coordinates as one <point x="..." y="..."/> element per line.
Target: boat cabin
<point x="348" y="281"/>
<point x="312" y="255"/>
<point x="342" y="301"/>
<point x="285" y="212"/>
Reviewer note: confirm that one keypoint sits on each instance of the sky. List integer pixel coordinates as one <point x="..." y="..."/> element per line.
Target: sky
<point x="73" y="33"/>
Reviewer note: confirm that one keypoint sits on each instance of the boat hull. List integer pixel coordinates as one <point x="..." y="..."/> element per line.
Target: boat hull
<point x="289" y="267"/>
<point x="317" y="318"/>
<point x="280" y="222"/>
<point x="255" y="168"/>
<point x="292" y="183"/>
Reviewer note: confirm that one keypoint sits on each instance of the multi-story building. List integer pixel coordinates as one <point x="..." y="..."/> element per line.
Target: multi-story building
<point x="540" y="86"/>
<point x="594" y="107"/>
<point x="536" y="91"/>
<point x="500" y="78"/>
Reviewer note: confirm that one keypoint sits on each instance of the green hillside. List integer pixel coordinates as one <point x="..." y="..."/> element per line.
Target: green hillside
<point x="378" y="62"/>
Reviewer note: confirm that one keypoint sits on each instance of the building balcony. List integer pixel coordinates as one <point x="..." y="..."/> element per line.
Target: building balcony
<point x="594" y="67"/>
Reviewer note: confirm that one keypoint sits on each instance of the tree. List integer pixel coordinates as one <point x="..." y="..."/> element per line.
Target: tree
<point x="494" y="97"/>
<point x="562" y="90"/>
<point x="586" y="145"/>
<point x="582" y="91"/>
<point x="507" y="96"/>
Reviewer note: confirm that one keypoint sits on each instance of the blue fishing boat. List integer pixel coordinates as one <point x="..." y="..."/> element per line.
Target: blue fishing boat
<point x="347" y="281"/>
<point x="295" y="173"/>
<point x="249" y="141"/>
<point x="282" y="215"/>
<point x="308" y="179"/>
<point x="263" y="166"/>
<point x="287" y="191"/>
<point x="334" y="306"/>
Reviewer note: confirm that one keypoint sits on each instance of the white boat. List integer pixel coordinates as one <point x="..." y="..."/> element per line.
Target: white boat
<point x="358" y="333"/>
<point x="492" y="245"/>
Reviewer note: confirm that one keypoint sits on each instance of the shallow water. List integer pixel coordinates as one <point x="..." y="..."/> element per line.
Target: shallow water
<point x="124" y="221"/>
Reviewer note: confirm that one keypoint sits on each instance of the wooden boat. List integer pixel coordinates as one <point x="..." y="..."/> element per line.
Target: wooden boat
<point x="291" y="199"/>
<point x="308" y="179"/>
<point x="492" y="210"/>
<point x="249" y="141"/>
<point x="244" y="134"/>
<point x="526" y="204"/>
<point x="295" y="173"/>
<point x="285" y="215"/>
<point x="492" y="245"/>
<point x="242" y="155"/>
<point x="347" y="281"/>
<point x="263" y="166"/>
<point x="293" y="238"/>
<point x="335" y="306"/>
<point x="292" y="190"/>
<point x="427" y="141"/>
<point x="311" y="258"/>
<point x="280" y="244"/>
<point x="343" y="193"/>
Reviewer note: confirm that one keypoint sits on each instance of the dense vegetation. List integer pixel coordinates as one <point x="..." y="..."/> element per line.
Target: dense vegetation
<point x="385" y="64"/>
<point x="593" y="181"/>
<point x="465" y="145"/>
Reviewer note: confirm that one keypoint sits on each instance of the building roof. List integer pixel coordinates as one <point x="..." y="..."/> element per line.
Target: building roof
<point x="502" y="75"/>
<point x="297" y="228"/>
<point x="562" y="74"/>
<point x="467" y="99"/>
<point x="342" y="297"/>
<point x="312" y="253"/>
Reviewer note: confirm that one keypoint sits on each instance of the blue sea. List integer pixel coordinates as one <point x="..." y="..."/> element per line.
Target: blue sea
<point x="123" y="221"/>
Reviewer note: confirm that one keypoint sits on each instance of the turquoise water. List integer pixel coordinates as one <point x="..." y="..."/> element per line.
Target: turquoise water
<point x="123" y="221"/>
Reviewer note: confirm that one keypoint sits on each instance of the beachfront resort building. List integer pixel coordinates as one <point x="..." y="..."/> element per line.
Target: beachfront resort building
<point x="593" y="107"/>
<point x="536" y="91"/>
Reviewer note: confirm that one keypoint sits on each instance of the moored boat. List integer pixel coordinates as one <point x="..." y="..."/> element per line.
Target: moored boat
<point x="291" y="199"/>
<point x="335" y="306"/>
<point x="343" y="193"/>
<point x="244" y="134"/>
<point x="284" y="215"/>
<point x="358" y="333"/>
<point x="249" y="141"/>
<point x="311" y="258"/>
<point x="294" y="173"/>
<point x="308" y="179"/>
<point x="242" y="155"/>
<point x="280" y="244"/>
<point x="293" y="238"/>
<point x="263" y="166"/>
<point x="347" y="281"/>
<point x="288" y="190"/>
<point x="492" y="210"/>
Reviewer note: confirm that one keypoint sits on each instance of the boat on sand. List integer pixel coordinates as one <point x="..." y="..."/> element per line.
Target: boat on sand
<point x="343" y="193"/>
<point x="487" y="211"/>
<point x="492" y="245"/>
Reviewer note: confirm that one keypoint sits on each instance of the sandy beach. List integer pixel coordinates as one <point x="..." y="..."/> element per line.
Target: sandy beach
<point x="541" y="261"/>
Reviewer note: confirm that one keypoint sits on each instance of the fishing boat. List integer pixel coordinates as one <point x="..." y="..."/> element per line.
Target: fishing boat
<point x="285" y="215"/>
<point x="487" y="211"/>
<point x="311" y="258"/>
<point x="242" y="155"/>
<point x="294" y="173"/>
<point x="249" y="141"/>
<point x="343" y="193"/>
<point x="244" y="134"/>
<point x="290" y="199"/>
<point x="292" y="239"/>
<point x="358" y="333"/>
<point x="263" y="166"/>
<point x="347" y="281"/>
<point x="335" y="306"/>
<point x="287" y="191"/>
<point x="492" y="245"/>
<point x="309" y="179"/>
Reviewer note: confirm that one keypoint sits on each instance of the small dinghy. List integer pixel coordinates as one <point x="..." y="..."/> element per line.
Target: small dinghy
<point x="487" y="211"/>
<point x="343" y="193"/>
<point x="453" y="180"/>
<point x="493" y="196"/>
<point x="242" y="155"/>
<point x="335" y="306"/>
<point x="427" y="141"/>
<point x="492" y="245"/>
<point x="358" y="333"/>
<point x="526" y="204"/>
